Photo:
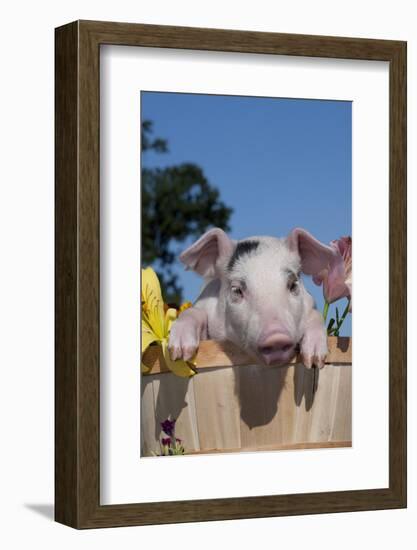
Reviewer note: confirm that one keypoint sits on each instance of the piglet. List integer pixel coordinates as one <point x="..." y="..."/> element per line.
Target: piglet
<point x="254" y="297"/>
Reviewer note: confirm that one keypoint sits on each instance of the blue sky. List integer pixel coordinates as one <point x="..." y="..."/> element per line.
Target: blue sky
<point x="280" y="163"/>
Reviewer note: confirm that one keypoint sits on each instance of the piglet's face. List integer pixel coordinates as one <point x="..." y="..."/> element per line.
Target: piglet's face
<point x="261" y="295"/>
<point x="264" y="299"/>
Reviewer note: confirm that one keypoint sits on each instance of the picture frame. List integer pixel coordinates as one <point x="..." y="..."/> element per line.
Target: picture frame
<point x="77" y="336"/>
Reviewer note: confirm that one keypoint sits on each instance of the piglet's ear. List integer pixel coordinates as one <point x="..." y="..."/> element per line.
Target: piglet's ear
<point x="205" y="254"/>
<point x="315" y="256"/>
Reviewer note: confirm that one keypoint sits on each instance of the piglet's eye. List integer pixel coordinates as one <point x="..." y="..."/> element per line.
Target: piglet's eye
<point x="293" y="286"/>
<point x="236" y="292"/>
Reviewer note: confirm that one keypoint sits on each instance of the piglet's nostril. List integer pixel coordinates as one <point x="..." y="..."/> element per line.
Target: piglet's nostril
<point x="276" y="342"/>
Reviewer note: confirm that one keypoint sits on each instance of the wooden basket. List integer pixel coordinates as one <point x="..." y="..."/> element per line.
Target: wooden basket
<point x="232" y="405"/>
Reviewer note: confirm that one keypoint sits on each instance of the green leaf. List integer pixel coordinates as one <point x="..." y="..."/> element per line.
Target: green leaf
<point x="330" y="326"/>
<point x="325" y="310"/>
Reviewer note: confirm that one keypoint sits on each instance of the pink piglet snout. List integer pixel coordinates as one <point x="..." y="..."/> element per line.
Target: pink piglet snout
<point x="276" y="347"/>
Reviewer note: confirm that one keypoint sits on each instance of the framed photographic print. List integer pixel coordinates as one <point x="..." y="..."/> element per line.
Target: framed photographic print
<point x="219" y="194"/>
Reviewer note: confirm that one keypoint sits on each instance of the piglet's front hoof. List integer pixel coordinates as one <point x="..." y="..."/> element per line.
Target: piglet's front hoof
<point x="310" y="361"/>
<point x="185" y="352"/>
<point x="313" y="352"/>
<point x="183" y="341"/>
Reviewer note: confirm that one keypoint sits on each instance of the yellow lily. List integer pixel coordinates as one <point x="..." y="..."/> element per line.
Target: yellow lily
<point x="156" y="324"/>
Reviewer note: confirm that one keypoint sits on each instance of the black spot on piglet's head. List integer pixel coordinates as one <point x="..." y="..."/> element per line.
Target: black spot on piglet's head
<point x="242" y="248"/>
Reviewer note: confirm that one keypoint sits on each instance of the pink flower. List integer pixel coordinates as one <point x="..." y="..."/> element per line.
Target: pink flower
<point x="337" y="277"/>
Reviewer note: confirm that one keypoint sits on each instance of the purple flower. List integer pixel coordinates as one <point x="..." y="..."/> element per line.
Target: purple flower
<point x="168" y="426"/>
<point x="166" y="441"/>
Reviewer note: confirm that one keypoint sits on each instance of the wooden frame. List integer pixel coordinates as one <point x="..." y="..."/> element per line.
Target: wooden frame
<point x="77" y="274"/>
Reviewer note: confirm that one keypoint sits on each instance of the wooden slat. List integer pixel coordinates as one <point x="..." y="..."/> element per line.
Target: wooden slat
<point x="342" y="420"/>
<point x="149" y="443"/>
<point x="217" y="408"/>
<point x="174" y="397"/>
<point x="305" y="387"/>
<point x="290" y="447"/>
<point x="224" y="354"/>
<point x="322" y="410"/>
<point x="266" y="399"/>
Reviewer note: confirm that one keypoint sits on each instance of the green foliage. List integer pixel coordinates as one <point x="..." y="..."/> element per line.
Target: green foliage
<point x="159" y="145"/>
<point x="334" y="326"/>
<point x="177" y="202"/>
